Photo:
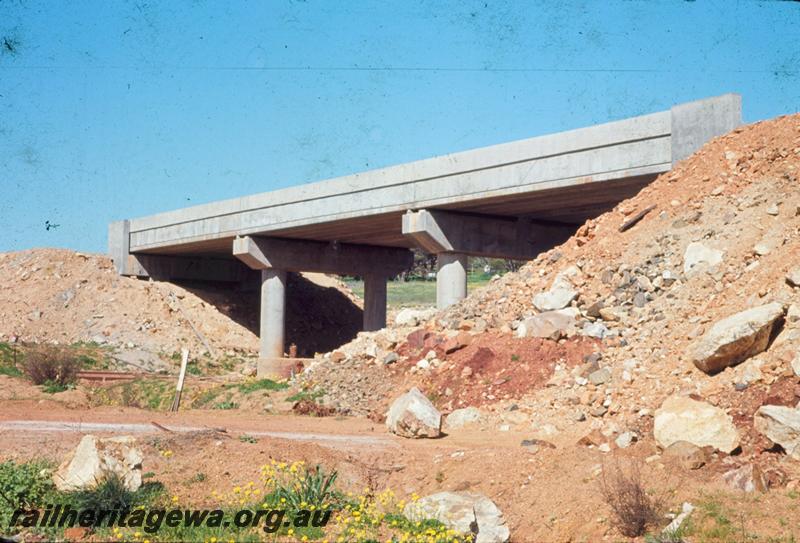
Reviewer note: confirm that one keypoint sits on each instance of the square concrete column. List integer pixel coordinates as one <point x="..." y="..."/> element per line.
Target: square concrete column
<point x="451" y="278"/>
<point x="374" y="302"/>
<point x="273" y="311"/>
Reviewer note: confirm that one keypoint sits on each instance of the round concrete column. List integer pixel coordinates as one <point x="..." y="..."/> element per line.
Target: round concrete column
<point x="273" y="309"/>
<point x="374" y="302"/>
<point x="451" y="278"/>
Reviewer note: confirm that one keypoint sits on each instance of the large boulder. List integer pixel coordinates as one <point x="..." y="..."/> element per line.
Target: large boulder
<point x="95" y="459"/>
<point x="466" y="512"/>
<point x="736" y="338"/>
<point x="550" y="324"/>
<point x="413" y="415"/>
<point x="781" y="425"/>
<point x="683" y="419"/>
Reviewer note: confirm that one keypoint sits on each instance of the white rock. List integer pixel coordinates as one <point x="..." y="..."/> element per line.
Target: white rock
<point x="793" y="277"/>
<point x="796" y="364"/>
<point x="595" y="329"/>
<point x="466" y="512"/>
<point x="462" y="417"/>
<point x="736" y="338"/>
<point x="413" y="415"/>
<point x="95" y="459"/>
<point x="559" y="296"/>
<point x="678" y="521"/>
<point x="683" y="419"/>
<point x="550" y="324"/>
<point x="781" y="425"/>
<point x="699" y="256"/>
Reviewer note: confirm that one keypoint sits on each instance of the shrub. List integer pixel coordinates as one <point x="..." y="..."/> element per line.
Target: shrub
<point x="52" y="366"/>
<point x="632" y="509"/>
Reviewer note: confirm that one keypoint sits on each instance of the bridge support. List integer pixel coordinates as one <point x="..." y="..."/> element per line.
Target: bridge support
<point x="374" y="302"/>
<point x="451" y="278"/>
<point x="452" y="237"/>
<point x="273" y="313"/>
<point x="275" y="256"/>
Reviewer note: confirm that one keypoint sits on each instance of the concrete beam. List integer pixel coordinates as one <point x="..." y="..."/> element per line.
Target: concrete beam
<point x="436" y="231"/>
<point x="318" y="256"/>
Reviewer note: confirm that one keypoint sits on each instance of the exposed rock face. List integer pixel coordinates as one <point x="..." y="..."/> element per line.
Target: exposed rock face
<point x="781" y="425"/>
<point x="95" y="459"/>
<point x="747" y="478"/>
<point x="467" y="512"/>
<point x="550" y="324"/>
<point x="699" y="256"/>
<point x="736" y="338"/>
<point x="413" y="415"/>
<point x="683" y="419"/>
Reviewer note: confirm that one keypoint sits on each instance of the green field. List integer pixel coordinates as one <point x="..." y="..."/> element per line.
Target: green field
<point x="417" y="292"/>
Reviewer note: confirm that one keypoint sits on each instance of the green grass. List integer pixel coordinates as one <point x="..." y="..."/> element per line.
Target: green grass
<point x="7" y="358"/>
<point x="249" y="387"/>
<point x="415" y="293"/>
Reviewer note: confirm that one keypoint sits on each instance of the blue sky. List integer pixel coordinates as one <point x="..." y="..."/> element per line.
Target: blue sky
<point x="119" y="109"/>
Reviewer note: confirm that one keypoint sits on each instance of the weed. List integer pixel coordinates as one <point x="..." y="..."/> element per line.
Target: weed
<point x="309" y="395"/>
<point x="313" y="487"/>
<point x="112" y="495"/>
<point x="23" y="485"/>
<point x="225" y="405"/>
<point x="247" y="439"/>
<point x="54" y="387"/>
<point x="632" y="508"/>
<point x="198" y="477"/>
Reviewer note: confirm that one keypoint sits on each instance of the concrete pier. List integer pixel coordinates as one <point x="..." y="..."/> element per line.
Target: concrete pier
<point x="451" y="278"/>
<point x="273" y="313"/>
<point x="374" y="302"/>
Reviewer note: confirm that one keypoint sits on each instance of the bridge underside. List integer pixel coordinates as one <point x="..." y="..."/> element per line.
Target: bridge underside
<point x="508" y="201"/>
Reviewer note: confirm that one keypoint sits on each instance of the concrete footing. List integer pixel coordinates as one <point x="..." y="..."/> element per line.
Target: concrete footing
<point x="273" y="312"/>
<point x="451" y="279"/>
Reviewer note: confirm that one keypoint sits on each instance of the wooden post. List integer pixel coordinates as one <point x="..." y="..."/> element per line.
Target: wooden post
<point x="179" y="388"/>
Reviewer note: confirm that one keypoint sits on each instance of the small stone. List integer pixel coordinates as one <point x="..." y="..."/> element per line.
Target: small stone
<point x="747" y="478"/>
<point x="772" y="210"/>
<point x="600" y="376"/>
<point x="687" y="455"/>
<point x="463" y="417"/>
<point x="625" y="439"/>
<point x="390" y="358"/>
<point x="699" y="256"/>
<point x="793" y="277"/>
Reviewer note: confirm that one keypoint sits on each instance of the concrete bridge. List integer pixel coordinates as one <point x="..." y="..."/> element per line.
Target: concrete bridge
<point x="511" y="200"/>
